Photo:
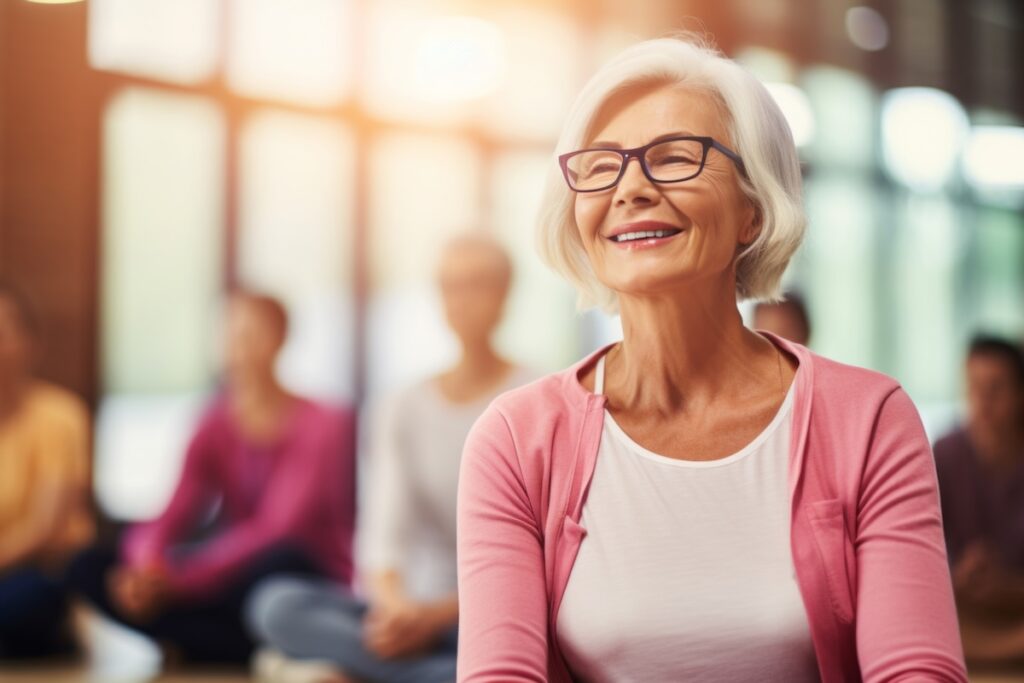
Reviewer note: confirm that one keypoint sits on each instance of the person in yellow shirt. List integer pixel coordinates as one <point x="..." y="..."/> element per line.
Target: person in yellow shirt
<point x="44" y="510"/>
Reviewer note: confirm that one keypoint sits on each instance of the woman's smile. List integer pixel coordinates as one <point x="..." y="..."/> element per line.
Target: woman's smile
<point x="643" y="235"/>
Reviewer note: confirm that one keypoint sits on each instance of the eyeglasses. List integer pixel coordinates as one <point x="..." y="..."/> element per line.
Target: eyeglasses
<point x="663" y="161"/>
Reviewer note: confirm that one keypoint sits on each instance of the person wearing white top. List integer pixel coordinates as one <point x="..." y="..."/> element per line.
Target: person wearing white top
<point x="406" y="630"/>
<point x="713" y="537"/>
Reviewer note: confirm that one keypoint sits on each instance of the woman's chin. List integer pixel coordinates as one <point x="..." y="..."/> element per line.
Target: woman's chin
<point x="653" y="285"/>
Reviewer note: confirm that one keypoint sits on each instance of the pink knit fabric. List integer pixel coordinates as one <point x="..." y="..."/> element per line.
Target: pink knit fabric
<point x="866" y="533"/>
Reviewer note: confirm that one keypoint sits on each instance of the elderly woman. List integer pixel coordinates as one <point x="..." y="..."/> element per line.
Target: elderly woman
<point x="697" y="502"/>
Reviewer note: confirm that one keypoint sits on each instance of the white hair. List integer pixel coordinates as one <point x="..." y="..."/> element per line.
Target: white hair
<point x="759" y="134"/>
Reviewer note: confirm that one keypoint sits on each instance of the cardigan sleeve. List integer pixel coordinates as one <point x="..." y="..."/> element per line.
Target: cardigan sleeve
<point x="906" y="619"/>
<point x="503" y="603"/>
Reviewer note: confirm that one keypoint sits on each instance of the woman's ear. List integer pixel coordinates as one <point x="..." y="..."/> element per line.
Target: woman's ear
<point x="752" y="226"/>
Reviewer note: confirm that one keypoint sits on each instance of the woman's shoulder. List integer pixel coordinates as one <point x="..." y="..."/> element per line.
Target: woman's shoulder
<point x="836" y="379"/>
<point x="321" y="418"/>
<point x="525" y="438"/>
<point x="322" y="409"/>
<point x="55" y="403"/>
<point x="829" y="377"/>
<point x="532" y="424"/>
<point x="552" y="396"/>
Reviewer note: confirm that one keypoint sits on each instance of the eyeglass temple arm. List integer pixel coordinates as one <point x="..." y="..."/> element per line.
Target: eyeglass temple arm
<point x="731" y="154"/>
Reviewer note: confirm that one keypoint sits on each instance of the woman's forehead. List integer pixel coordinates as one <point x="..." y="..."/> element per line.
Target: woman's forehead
<point x="636" y="116"/>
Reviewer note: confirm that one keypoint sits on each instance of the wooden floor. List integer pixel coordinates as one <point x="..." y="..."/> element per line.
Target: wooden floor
<point x="80" y="674"/>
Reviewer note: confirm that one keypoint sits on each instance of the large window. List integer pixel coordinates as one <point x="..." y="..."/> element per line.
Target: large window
<point x="162" y="262"/>
<point x="242" y="146"/>
<point x="295" y="240"/>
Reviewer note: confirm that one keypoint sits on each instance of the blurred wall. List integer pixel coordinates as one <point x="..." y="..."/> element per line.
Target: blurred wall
<point x="48" y="181"/>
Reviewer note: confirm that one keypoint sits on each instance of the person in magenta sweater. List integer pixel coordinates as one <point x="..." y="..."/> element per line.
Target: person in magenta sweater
<point x="700" y="501"/>
<point x="276" y="474"/>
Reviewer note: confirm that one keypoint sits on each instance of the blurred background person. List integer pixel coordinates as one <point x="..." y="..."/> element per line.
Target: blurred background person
<point x="981" y="478"/>
<point x="406" y="630"/>
<point x="267" y="486"/>
<point x="44" y="511"/>
<point x="787" y="318"/>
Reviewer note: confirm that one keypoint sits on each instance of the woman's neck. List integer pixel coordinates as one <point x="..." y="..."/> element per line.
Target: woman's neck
<point x="688" y="349"/>
<point x="479" y="370"/>
<point x="260" y="404"/>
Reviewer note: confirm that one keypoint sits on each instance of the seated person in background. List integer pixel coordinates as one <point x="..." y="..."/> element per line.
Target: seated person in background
<point x="981" y="482"/>
<point x="44" y="477"/>
<point x="277" y="473"/>
<point x="407" y="631"/>
<point x="787" y="318"/>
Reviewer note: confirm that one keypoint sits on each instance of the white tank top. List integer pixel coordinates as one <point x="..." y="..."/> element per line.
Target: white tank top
<point x="685" y="573"/>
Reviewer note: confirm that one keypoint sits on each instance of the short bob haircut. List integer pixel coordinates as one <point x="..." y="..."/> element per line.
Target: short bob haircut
<point x="760" y="135"/>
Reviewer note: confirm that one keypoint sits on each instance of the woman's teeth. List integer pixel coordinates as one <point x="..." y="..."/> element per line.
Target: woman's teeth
<point x="644" y="234"/>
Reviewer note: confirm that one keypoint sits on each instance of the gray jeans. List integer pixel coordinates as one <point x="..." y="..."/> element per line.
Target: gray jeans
<point x="313" y="619"/>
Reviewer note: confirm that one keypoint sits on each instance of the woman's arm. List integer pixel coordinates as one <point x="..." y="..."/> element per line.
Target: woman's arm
<point x="906" y="617"/>
<point x="385" y="520"/>
<point x="503" y="602"/>
<point x="318" y="467"/>
<point x="146" y="544"/>
<point x="58" y="488"/>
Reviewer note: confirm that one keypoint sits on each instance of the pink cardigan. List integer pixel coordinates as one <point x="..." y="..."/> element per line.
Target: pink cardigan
<point x="866" y="530"/>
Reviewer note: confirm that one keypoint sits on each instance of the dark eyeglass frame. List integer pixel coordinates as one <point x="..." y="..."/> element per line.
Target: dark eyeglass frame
<point x="640" y="154"/>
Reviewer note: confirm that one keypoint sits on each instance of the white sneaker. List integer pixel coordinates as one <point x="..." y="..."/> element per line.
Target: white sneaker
<point x="272" y="666"/>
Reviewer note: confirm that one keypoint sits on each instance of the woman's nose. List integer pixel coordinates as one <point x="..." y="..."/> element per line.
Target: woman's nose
<point x="634" y="186"/>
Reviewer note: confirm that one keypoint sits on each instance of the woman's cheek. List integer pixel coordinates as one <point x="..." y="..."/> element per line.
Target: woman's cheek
<point x="588" y="213"/>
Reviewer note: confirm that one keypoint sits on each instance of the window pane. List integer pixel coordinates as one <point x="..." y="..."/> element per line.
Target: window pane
<point x="297" y="50"/>
<point x="428" y="67"/>
<point x="140" y="447"/>
<point x="162" y="272"/>
<point x="997" y="273"/>
<point x="927" y="251"/>
<point x="424" y="190"/>
<point x="172" y="40"/>
<point x="295" y="240"/>
<point x="541" y="327"/>
<point x="839" y="264"/>
<point x="543" y="74"/>
<point x="923" y="131"/>
<point x="992" y="164"/>
<point x="162" y="231"/>
<point x="841" y="101"/>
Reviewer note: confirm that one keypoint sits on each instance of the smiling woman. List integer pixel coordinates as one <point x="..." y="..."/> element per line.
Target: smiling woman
<point x="699" y="501"/>
<point x="733" y="112"/>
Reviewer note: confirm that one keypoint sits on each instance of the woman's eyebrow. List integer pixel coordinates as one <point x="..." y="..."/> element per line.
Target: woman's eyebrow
<point x="607" y="144"/>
